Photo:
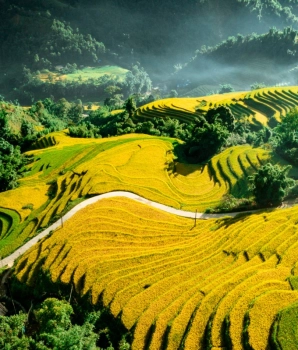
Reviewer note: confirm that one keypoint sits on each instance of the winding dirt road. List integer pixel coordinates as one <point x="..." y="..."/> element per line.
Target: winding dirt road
<point x="9" y="260"/>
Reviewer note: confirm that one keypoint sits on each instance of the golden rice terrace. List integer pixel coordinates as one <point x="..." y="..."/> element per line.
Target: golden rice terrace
<point x="66" y="170"/>
<point x="230" y="283"/>
<point x="216" y="285"/>
<point x="259" y="107"/>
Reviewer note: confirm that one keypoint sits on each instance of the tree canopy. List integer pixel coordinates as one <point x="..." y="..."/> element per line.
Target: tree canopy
<point x="285" y="141"/>
<point x="209" y="133"/>
<point x="270" y="184"/>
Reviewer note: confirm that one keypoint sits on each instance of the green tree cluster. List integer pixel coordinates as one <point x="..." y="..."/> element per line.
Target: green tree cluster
<point x="59" y="43"/>
<point x="11" y="165"/>
<point x="270" y="184"/>
<point x="285" y="137"/>
<point x="137" y="80"/>
<point x="280" y="8"/>
<point x="276" y="46"/>
<point x="11" y="160"/>
<point x="57" y="115"/>
<point x="101" y="123"/>
<point x="50" y="326"/>
<point x="209" y="133"/>
<point x="224" y="88"/>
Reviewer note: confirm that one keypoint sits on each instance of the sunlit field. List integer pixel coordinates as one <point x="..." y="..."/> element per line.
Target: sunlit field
<point x="175" y="285"/>
<point x="66" y="170"/>
<point x="86" y="73"/>
<point x="262" y="107"/>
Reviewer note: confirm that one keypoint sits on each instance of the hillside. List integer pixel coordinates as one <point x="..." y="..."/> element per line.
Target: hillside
<point x="16" y="116"/>
<point x="258" y="107"/>
<point x="70" y="169"/>
<point x="215" y="285"/>
<point x="44" y="34"/>
<point x="165" y="281"/>
<point x="242" y="60"/>
<point x="64" y="170"/>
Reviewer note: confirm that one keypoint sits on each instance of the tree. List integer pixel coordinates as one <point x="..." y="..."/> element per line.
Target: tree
<point x="225" y="88"/>
<point x="137" y="80"/>
<point x="4" y="127"/>
<point x="27" y="128"/>
<point x="53" y="314"/>
<point x="52" y="329"/>
<point x="257" y="86"/>
<point x="57" y="331"/>
<point x="130" y="106"/>
<point x="206" y="141"/>
<point x="114" y="102"/>
<point x="62" y="108"/>
<point x="173" y="93"/>
<point x="289" y="122"/>
<point x="223" y="115"/>
<point x="12" y="332"/>
<point x="112" y="89"/>
<point x="209" y="133"/>
<point x="285" y="140"/>
<point x="11" y="164"/>
<point x="76" y="111"/>
<point x="270" y="184"/>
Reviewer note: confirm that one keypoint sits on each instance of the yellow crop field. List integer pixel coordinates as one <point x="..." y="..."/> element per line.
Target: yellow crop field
<point x="63" y="170"/>
<point x="259" y="107"/>
<point x="172" y="284"/>
<point x="273" y="301"/>
<point x="25" y="198"/>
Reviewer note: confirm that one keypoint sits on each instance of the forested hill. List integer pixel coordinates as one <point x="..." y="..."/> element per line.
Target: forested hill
<point x="270" y="58"/>
<point x="38" y="39"/>
<point x="161" y="35"/>
<point x="152" y="32"/>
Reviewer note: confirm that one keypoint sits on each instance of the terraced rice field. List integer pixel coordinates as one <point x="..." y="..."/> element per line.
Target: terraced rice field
<point x="65" y="170"/>
<point x="259" y="107"/>
<point x="223" y="284"/>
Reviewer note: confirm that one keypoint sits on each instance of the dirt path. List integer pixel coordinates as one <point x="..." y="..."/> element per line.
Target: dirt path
<point x="9" y="260"/>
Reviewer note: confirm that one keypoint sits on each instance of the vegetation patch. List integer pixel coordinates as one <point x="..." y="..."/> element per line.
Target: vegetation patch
<point x="284" y="330"/>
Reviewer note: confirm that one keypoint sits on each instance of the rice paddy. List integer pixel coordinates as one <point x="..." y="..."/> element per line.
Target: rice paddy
<point x="64" y="170"/>
<point x="226" y="283"/>
<point x="258" y="107"/>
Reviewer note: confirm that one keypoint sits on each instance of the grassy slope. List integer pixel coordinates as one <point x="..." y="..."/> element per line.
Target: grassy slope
<point x="17" y="114"/>
<point x="74" y="168"/>
<point x="259" y="107"/>
<point x="157" y="272"/>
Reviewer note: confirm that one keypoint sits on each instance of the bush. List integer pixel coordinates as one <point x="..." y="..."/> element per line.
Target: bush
<point x="226" y="88"/>
<point x="229" y="203"/>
